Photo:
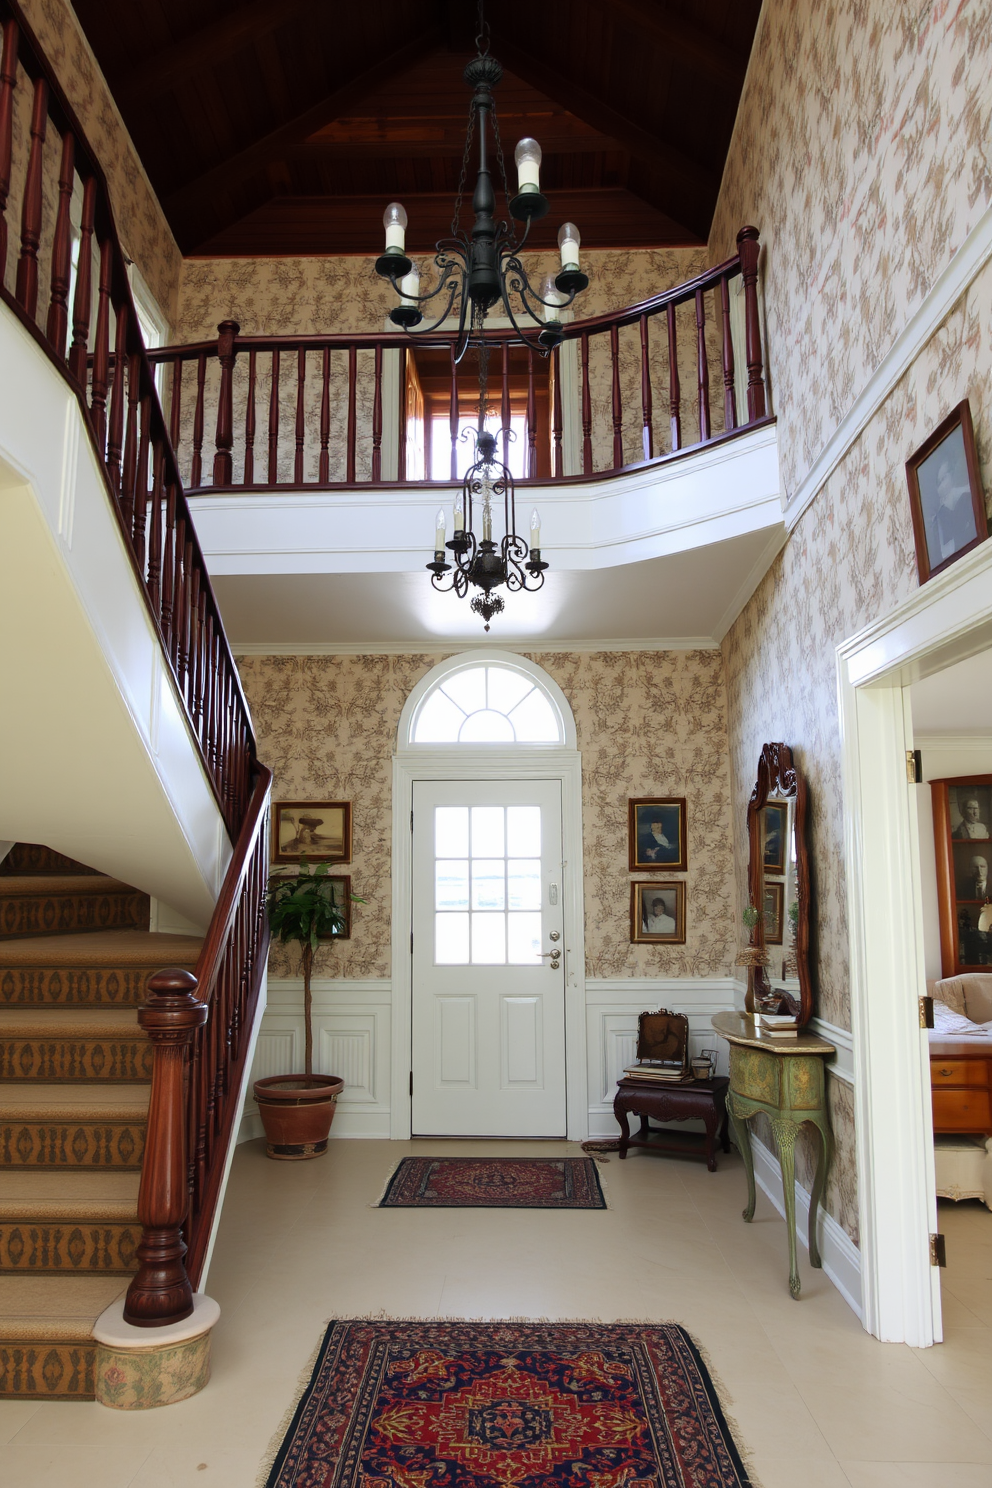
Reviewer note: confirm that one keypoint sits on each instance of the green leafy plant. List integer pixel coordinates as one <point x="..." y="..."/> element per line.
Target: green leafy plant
<point x="750" y="916"/>
<point x="794" y="915"/>
<point x="303" y="912"/>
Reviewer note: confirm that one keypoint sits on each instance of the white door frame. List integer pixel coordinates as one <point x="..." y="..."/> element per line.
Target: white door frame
<point x="489" y="762"/>
<point x="946" y="620"/>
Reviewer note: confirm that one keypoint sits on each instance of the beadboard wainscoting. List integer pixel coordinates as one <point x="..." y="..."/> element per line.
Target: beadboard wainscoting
<point x="350" y="1040"/>
<point x="612" y="1008"/>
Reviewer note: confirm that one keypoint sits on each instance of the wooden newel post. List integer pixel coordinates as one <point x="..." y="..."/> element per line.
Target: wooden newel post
<point x="161" y="1292"/>
<point x="223" y="465"/>
<point x="747" y="247"/>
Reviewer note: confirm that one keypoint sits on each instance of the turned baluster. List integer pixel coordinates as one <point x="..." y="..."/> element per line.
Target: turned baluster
<point x="176" y="404"/>
<point x="101" y="347"/>
<point x="227" y="353"/>
<point x="168" y="559"/>
<point x="674" y="390"/>
<point x="301" y="409"/>
<point x="531" y="418"/>
<point x="453" y="413"/>
<point x="324" y="468"/>
<point x="188" y="631"/>
<point x="556" y="428"/>
<point x="27" y="263"/>
<point x="729" y="396"/>
<point x="647" y="434"/>
<point x="141" y="482"/>
<point x="505" y="403"/>
<point x="703" y="368"/>
<point x="401" y="457"/>
<point x="377" y="418"/>
<point x="617" y="398"/>
<point x="586" y="407"/>
<point x="84" y="281"/>
<point x="161" y="1293"/>
<point x="58" y="306"/>
<point x="179" y="573"/>
<point x="274" y="421"/>
<point x="748" y="248"/>
<point x="118" y="396"/>
<point x="194" y="681"/>
<point x="352" y="410"/>
<point x="155" y="532"/>
<point x="249" y="470"/>
<point x="130" y="467"/>
<point x="8" y="82"/>
<point x="196" y="468"/>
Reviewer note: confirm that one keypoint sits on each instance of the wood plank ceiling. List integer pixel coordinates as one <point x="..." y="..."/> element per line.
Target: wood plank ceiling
<point x="281" y="127"/>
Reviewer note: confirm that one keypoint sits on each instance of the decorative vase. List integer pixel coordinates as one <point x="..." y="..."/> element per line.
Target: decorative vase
<point x="296" y="1112"/>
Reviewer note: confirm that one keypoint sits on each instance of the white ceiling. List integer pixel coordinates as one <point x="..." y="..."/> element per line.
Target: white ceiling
<point x="957" y="700"/>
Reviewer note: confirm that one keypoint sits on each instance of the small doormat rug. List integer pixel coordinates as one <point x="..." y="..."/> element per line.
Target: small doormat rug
<point x="494" y="1183"/>
<point x="508" y="1405"/>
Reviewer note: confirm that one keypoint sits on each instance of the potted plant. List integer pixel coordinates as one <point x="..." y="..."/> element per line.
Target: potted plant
<point x="297" y="1110"/>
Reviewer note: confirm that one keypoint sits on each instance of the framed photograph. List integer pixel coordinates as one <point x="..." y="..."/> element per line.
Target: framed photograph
<point x="657" y="913"/>
<point x="656" y="833"/>
<point x="319" y="831"/>
<point x="945" y="495"/>
<point x="962" y="834"/>
<point x="774" y="912"/>
<point x="341" y="889"/>
<point x="774" y="832"/>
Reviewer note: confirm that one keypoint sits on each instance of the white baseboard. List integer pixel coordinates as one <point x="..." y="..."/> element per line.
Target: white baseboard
<point x="841" y="1257"/>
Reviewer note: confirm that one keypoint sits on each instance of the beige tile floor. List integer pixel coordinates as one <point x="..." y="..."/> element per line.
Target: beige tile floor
<point x="818" y="1404"/>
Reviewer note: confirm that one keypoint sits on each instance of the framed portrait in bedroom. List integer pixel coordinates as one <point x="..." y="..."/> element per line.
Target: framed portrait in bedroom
<point x="962" y="830"/>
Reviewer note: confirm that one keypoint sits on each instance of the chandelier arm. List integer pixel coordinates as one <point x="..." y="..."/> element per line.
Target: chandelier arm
<point x="449" y="273"/>
<point x="464" y="336"/>
<point x="416" y="335"/>
<point x="532" y="342"/>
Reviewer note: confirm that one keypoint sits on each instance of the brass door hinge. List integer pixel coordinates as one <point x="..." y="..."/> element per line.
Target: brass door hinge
<point x="926" y="1012"/>
<point x="914" y="767"/>
<point x="938" y="1256"/>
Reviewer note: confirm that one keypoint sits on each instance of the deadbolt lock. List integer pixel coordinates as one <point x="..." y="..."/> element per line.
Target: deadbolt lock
<point x="554" y="935"/>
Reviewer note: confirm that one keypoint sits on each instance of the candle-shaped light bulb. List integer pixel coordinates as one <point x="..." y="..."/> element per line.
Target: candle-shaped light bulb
<point x="550" y="297"/>
<point x="487" y="523"/>
<point x="439" y="530"/>
<point x="459" y="514"/>
<point x="528" y="158"/>
<point x="535" y="529"/>
<point x="568" y="241"/>
<point x="410" y="287"/>
<point x="394" y="220"/>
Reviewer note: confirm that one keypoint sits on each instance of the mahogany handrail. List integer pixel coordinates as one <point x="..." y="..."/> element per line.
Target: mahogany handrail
<point x="199" y="1024"/>
<point x="114" y="384"/>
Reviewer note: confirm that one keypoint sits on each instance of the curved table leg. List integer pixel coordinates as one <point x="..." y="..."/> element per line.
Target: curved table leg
<point x="742" y="1136"/>
<point x="785" y="1140"/>
<point x="621" y="1114"/>
<point x="819" y="1181"/>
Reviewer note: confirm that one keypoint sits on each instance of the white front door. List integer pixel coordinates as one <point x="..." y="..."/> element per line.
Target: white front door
<point x="488" y="973"/>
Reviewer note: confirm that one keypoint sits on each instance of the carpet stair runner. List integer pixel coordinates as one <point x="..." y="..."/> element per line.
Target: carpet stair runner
<point x="75" y="1069"/>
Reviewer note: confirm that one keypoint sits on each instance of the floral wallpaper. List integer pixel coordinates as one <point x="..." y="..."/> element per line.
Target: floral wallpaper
<point x="648" y="723"/>
<point x="863" y="188"/>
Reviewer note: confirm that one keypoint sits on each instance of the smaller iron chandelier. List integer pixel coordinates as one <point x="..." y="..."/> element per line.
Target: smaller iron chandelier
<point x="482" y="563"/>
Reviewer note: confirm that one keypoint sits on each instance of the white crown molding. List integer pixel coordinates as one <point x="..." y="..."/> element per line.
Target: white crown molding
<point x="452" y="647"/>
<point x="954" y="743"/>
<point x="937" y="304"/>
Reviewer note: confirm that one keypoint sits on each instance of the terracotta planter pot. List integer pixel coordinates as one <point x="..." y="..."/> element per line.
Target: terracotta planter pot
<point x="297" y="1111"/>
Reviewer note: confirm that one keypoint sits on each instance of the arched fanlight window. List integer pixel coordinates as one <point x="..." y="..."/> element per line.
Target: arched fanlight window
<point x="487" y="704"/>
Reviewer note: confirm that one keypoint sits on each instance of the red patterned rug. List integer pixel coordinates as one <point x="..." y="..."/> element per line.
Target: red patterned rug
<point x="494" y="1183"/>
<point x="508" y="1405"/>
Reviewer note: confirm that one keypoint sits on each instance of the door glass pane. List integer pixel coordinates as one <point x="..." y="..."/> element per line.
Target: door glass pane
<point x="506" y="688"/>
<point x="534" y="721"/>
<point x="524" y="937"/>
<point x="523" y="831"/>
<point x="468" y="689"/>
<point x="451" y="939"/>
<point x="486" y="727"/>
<point x="488" y="940"/>
<point x="523" y="881"/>
<point x="451" y="883"/>
<point x="487" y="832"/>
<point x="488" y="889"/>
<point x="451" y="832"/>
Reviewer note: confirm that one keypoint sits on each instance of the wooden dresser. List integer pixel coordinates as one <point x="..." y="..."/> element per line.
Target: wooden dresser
<point x="961" y="1082"/>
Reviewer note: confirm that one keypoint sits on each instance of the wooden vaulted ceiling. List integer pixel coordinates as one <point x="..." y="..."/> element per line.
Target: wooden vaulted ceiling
<point x="285" y="126"/>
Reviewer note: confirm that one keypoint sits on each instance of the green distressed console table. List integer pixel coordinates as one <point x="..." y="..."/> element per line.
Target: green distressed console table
<point x="784" y="1078"/>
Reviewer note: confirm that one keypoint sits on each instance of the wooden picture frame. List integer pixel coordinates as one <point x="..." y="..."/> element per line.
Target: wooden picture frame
<point x="319" y="831"/>
<point x="962" y="813"/>
<point x="644" y="894"/>
<point x="773" y="909"/>
<point x="774" y="835"/>
<point x="945" y="495"/>
<point x="650" y="848"/>
<point x="341" y="889"/>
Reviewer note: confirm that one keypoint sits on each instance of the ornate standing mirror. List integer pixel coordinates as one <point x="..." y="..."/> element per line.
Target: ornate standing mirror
<point x="779" y="886"/>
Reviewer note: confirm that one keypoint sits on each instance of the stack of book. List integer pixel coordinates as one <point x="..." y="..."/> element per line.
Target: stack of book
<point x="779" y="1025"/>
<point x="659" y="1071"/>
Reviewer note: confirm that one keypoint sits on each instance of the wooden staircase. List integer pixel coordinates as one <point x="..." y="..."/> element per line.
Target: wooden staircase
<point x="75" y="1070"/>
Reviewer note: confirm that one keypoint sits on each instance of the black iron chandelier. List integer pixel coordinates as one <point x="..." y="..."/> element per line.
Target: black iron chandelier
<point x="478" y="269"/>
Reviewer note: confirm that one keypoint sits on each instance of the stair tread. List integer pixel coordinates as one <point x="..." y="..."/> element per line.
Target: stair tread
<point x="151" y="948"/>
<point x="73" y="1102"/>
<point x="30" y="1188"/>
<point x="52" y="1020"/>
<point x="46" y="884"/>
<point x="34" y="1306"/>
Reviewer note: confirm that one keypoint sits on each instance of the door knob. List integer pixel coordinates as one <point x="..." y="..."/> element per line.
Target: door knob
<point x="554" y="935"/>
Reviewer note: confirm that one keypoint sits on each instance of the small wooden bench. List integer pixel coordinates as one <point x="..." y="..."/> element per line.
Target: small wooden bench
<point x="697" y="1100"/>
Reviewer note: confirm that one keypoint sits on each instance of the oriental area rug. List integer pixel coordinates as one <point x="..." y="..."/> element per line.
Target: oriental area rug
<point x="508" y="1405"/>
<point x="494" y="1183"/>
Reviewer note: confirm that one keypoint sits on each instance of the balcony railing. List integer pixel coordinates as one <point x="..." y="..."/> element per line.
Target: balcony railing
<point x="327" y="411"/>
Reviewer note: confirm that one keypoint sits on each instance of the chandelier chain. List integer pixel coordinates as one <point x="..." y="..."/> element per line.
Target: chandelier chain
<point x="463" y="177"/>
<point x="482" y="39"/>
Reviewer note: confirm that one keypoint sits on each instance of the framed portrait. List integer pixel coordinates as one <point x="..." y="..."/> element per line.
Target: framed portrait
<point x="774" y="832"/>
<point x="657" y="913"/>
<point x="774" y="912"/>
<point x="340" y="888"/>
<point x="656" y="833"/>
<point x="962" y="834"/>
<point x="945" y="495"/>
<point x="319" y="831"/>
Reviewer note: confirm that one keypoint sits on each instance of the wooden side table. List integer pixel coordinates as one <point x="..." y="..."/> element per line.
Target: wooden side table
<point x="784" y="1078"/>
<point x="699" y="1100"/>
